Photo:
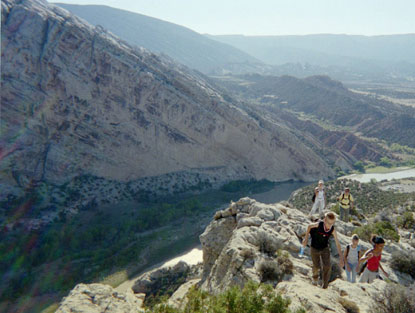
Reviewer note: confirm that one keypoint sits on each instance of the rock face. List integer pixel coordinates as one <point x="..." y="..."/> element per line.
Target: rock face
<point x="245" y="235"/>
<point x="98" y="298"/>
<point x="188" y="47"/>
<point x="76" y="100"/>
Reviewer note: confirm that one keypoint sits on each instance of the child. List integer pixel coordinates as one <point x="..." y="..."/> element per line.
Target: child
<point x="373" y="257"/>
<point x="351" y="258"/>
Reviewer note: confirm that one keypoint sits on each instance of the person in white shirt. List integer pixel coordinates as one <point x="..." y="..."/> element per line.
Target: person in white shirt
<point x="319" y="201"/>
<point x="351" y="258"/>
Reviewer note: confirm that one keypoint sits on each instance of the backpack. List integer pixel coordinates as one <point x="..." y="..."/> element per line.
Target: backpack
<point x="343" y="196"/>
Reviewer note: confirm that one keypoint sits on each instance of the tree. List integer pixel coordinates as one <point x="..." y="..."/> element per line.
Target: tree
<point x="359" y="166"/>
<point x="385" y="162"/>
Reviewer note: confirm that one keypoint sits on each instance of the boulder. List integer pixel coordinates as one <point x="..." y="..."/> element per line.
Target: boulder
<point x="98" y="298"/>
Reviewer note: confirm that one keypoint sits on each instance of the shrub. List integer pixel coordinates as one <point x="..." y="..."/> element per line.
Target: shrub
<point x="382" y="228"/>
<point x="247" y="253"/>
<point x="349" y="306"/>
<point x="285" y="265"/>
<point x="267" y="245"/>
<point x="404" y="262"/>
<point x="253" y="298"/>
<point x="396" y="299"/>
<point x="269" y="271"/>
<point x="406" y="221"/>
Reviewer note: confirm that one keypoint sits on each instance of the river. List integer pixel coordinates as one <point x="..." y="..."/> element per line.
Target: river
<point x="398" y="174"/>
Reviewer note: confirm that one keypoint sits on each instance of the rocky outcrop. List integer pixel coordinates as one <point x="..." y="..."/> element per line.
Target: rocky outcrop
<point x="98" y="298"/>
<point x="76" y="101"/>
<point x="248" y="233"/>
<point x="151" y="282"/>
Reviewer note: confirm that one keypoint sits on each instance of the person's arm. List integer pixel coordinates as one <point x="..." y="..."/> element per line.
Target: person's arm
<point x="339" y="250"/>
<point x="345" y="260"/>
<point x="386" y="274"/>
<point x="368" y="254"/>
<point x="351" y="202"/>
<point x="310" y="227"/>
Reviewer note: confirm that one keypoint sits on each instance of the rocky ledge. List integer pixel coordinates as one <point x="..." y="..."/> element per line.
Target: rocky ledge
<point x="249" y="240"/>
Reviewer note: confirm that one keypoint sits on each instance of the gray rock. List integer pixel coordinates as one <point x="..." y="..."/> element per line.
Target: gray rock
<point x="250" y="221"/>
<point x="98" y="298"/>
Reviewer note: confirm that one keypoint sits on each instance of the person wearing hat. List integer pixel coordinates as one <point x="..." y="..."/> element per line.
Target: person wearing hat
<point x="319" y="200"/>
<point x="346" y="204"/>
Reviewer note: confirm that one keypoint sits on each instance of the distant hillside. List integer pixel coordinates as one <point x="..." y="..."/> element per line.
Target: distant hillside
<point x="325" y="49"/>
<point x="184" y="45"/>
<point x="330" y="102"/>
<point x="340" y="56"/>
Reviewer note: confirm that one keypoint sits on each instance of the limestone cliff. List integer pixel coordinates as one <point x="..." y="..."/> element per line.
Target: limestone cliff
<point x="76" y="100"/>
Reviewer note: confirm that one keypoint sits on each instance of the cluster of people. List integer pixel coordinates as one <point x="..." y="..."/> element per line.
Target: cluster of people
<point x="345" y="199"/>
<point x="352" y="257"/>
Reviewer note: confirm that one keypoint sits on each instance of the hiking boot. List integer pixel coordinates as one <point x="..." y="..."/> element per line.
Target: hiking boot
<point x="315" y="282"/>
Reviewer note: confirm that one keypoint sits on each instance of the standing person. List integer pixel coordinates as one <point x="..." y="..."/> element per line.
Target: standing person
<point x="373" y="257"/>
<point x="320" y="200"/>
<point x="346" y="204"/>
<point x="352" y="258"/>
<point x="320" y="253"/>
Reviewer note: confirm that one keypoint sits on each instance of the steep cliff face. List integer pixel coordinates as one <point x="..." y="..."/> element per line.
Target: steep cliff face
<point x="77" y="100"/>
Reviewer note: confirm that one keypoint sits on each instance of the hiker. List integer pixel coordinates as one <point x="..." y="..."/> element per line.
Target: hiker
<point x="346" y="204"/>
<point x="373" y="257"/>
<point x="320" y="233"/>
<point x="319" y="199"/>
<point x="352" y="258"/>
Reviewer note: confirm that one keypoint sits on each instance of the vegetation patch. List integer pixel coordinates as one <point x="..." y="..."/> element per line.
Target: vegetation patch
<point x="369" y="198"/>
<point x="253" y="298"/>
<point x="395" y="298"/>
<point x="404" y="262"/>
<point x="381" y="228"/>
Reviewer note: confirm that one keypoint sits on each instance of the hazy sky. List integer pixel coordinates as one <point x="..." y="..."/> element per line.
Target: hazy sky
<point x="277" y="17"/>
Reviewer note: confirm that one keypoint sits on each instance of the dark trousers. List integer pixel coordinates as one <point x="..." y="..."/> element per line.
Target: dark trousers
<point x="321" y="262"/>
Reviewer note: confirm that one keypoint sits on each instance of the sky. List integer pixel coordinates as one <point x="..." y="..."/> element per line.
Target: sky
<point x="277" y="17"/>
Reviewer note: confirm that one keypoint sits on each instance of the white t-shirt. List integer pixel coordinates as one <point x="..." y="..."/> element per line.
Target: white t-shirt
<point x="352" y="256"/>
<point x="320" y="195"/>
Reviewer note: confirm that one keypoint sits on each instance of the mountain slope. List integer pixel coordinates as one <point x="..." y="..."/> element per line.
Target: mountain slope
<point x="184" y="45"/>
<point x="77" y="101"/>
<point x="330" y="102"/>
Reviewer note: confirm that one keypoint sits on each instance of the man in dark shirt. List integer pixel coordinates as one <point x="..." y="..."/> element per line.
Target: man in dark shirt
<point x="320" y="234"/>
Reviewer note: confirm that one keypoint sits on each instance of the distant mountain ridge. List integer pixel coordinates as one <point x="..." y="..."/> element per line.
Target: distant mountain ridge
<point x="324" y="49"/>
<point x="344" y="57"/>
<point x="182" y="44"/>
